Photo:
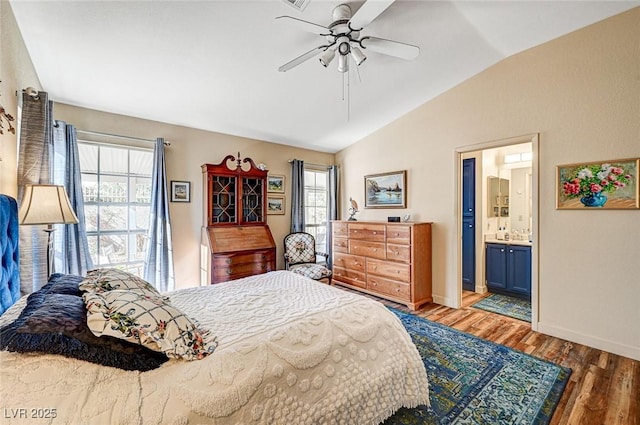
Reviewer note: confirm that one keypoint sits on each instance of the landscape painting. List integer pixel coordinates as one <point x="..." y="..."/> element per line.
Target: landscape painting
<point x="387" y="190"/>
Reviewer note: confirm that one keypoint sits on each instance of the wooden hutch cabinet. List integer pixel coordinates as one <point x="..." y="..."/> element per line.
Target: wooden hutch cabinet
<point x="388" y="260"/>
<point x="236" y="240"/>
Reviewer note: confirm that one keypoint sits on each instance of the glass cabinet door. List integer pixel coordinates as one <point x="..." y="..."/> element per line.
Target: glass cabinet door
<point x="252" y="200"/>
<point x="223" y="199"/>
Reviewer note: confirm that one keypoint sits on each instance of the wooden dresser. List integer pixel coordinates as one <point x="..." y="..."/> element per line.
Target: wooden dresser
<point x="388" y="260"/>
<point x="236" y="240"/>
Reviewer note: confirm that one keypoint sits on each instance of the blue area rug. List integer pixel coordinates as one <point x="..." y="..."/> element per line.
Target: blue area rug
<point x="473" y="381"/>
<point x="506" y="306"/>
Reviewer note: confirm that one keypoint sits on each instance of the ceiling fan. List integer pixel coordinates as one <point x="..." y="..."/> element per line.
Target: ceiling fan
<point x="343" y="37"/>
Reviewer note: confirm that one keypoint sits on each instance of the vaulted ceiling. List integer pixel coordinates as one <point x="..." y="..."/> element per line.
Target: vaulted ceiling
<point x="213" y="65"/>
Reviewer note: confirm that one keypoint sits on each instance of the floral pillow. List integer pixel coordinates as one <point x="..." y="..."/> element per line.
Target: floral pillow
<point x="104" y="280"/>
<point x="55" y="323"/>
<point x="147" y="320"/>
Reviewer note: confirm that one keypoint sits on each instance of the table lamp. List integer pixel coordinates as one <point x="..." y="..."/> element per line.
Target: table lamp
<point x="46" y="204"/>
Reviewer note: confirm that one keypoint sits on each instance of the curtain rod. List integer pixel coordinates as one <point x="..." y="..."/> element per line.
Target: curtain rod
<point x="311" y="163"/>
<point x="97" y="133"/>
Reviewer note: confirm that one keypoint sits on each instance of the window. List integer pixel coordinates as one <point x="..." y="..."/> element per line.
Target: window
<point x="316" y="206"/>
<point x="116" y="187"/>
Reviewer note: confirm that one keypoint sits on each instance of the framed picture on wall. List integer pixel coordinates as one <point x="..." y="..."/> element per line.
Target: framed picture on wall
<point x="275" y="204"/>
<point x="387" y="190"/>
<point x="611" y="184"/>
<point x="180" y="191"/>
<point x="275" y="183"/>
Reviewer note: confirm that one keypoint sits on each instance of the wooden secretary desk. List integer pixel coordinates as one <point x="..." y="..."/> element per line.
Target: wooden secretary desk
<point x="236" y="240"/>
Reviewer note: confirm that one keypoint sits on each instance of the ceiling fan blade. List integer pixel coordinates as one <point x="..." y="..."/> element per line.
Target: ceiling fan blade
<point x="305" y="25"/>
<point x="369" y="11"/>
<point x="391" y="48"/>
<point x="302" y="58"/>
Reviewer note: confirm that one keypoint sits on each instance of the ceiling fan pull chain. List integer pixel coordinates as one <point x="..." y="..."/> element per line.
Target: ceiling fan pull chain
<point x="348" y="98"/>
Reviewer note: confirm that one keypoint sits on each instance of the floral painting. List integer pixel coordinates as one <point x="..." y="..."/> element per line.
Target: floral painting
<point x="598" y="185"/>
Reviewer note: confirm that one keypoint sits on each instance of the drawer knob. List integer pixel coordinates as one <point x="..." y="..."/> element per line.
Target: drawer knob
<point x="397" y="234"/>
<point x="228" y="260"/>
<point x="397" y="289"/>
<point x="375" y="233"/>
<point x="228" y="271"/>
<point x="502" y="250"/>
<point x="374" y="283"/>
<point x="375" y="249"/>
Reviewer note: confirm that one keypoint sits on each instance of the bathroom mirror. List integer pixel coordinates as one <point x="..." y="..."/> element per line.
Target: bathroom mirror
<point x="498" y="197"/>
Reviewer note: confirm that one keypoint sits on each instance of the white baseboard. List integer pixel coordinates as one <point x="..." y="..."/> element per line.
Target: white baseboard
<point x="591" y="341"/>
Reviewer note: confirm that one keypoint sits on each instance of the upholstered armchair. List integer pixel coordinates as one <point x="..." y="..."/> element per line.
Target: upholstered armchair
<point x="300" y="257"/>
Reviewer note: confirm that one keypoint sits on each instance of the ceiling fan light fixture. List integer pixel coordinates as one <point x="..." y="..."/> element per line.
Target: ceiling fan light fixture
<point x="343" y="63"/>
<point x="358" y="56"/>
<point x="327" y="57"/>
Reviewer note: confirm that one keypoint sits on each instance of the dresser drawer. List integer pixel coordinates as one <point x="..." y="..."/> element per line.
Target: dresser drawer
<point x="395" y="271"/>
<point x="347" y="261"/>
<point x="389" y="287"/>
<point x="225" y="273"/>
<point x="399" y="252"/>
<point x="340" y="245"/>
<point x="399" y="234"/>
<point x="370" y="232"/>
<point x="340" y="230"/>
<point x="229" y="260"/>
<point x="351" y="277"/>
<point x="367" y="249"/>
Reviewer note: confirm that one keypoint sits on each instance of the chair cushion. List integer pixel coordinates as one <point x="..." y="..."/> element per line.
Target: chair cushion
<point x="312" y="271"/>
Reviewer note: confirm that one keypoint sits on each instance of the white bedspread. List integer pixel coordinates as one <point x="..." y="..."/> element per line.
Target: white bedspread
<point x="291" y="351"/>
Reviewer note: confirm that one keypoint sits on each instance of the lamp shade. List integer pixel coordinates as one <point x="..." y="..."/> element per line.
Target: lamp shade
<point x="46" y="204"/>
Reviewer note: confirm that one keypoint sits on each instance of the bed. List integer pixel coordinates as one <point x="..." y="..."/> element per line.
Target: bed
<point x="288" y="350"/>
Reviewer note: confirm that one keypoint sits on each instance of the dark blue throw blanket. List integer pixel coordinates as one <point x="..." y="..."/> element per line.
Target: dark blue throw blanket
<point x="10" y="267"/>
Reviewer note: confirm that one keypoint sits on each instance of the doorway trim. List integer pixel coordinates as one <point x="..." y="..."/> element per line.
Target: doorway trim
<point x="534" y="139"/>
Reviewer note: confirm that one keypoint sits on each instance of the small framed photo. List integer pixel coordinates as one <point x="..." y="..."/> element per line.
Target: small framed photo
<point x="180" y="191"/>
<point x="275" y="183"/>
<point x="275" y="204"/>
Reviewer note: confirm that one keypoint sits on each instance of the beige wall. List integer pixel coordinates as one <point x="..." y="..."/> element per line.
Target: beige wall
<point x="581" y="92"/>
<point x="190" y="148"/>
<point x="16" y="73"/>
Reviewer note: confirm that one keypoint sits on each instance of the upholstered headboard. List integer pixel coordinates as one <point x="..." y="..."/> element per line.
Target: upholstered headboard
<point x="10" y="267"/>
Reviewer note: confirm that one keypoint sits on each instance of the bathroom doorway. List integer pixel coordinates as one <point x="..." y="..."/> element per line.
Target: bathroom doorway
<point x="497" y="210"/>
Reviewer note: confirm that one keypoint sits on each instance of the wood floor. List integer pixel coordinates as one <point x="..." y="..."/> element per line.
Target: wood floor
<point x="604" y="388"/>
